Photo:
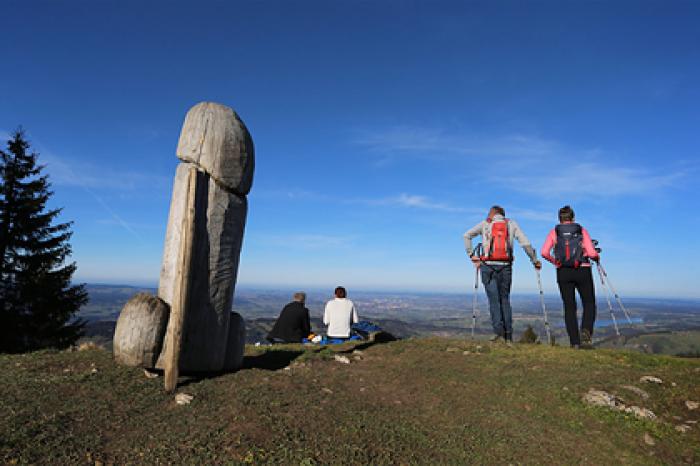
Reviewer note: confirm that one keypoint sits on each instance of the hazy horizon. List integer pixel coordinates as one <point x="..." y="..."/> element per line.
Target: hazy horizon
<point x="243" y="287"/>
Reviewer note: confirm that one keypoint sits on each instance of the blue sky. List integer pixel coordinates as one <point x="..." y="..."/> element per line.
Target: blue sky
<point x="383" y="130"/>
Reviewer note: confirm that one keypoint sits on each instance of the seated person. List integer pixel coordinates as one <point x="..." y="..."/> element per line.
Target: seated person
<point x="339" y="315"/>
<point x="293" y="324"/>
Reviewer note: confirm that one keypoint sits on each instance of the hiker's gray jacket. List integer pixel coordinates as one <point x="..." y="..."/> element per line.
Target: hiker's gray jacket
<point x="483" y="228"/>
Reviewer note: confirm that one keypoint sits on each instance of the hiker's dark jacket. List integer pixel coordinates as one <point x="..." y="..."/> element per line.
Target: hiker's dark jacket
<point x="292" y="325"/>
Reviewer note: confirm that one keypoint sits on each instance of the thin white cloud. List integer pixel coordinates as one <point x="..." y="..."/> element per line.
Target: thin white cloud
<point x="526" y="164"/>
<point x="413" y="201"/>
<point x="591" y="180"/>
<point x="72" y="173"/>
<point x="432" y="143"/>
<point x="63" y="173"/>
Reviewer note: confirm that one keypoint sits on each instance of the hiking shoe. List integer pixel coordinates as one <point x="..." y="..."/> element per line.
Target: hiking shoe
<point x="496" y="338"/>
<point x="586" y="340"/>
<point x="585" y="336"/>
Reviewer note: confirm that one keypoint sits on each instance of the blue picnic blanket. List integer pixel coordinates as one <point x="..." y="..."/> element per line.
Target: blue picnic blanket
<point x="360" y="331"/>
<point x="333" y="341"/>
<point x="365" y="326"/>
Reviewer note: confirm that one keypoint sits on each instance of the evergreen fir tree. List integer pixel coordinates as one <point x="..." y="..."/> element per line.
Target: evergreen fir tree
<point x="37" y="301"/>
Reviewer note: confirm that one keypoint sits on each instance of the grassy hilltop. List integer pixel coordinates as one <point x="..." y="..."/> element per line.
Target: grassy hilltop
<point x="413" y="401"/>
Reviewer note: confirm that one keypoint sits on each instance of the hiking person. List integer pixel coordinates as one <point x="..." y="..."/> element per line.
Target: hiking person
<point x="293" y="323"/>
<point x="339" y="315"/>
<point x="495" y="261"/>
<point x="573" y="251"/>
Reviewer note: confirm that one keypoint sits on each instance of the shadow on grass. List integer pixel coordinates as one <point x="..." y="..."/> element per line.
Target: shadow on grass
<point x="378" y="338"/>
<point x="276" y="359"/>
<point x="271" y="360"/>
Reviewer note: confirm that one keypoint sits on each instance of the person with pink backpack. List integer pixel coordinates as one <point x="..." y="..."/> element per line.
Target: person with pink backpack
<point x="573" y="251"/>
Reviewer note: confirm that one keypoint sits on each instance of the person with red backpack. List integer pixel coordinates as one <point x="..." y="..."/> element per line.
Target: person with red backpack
<point x="494" y="258"/>
<point x="573" y="251"/>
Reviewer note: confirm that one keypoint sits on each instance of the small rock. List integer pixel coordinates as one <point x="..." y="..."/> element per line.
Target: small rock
<point x="362" y="389"/>
<point x="636" y="391"/>
<point x="358" y="352"/>
<point x="648" y="439"/>
<point x="674" y="384"/>
<point x="287" y="368"/>
<point x="327" y="390"/>
<point x="479" y="347"/>
<point x="691" y="422"/>
<point x="677" y="418"/>
<point x="341" y="359"/>
<point x="566" y="389"/>
<point x="692" y="405"/>
<point x="467" y="352"/>
<point x="149" y="374"/>
<point x="452" y="350"/>
<point x="602" y="398"/>
<point x="88" y="345"/>
<point x="183" y="398"/>
<point x="650" y="379"/>
<point x="683" y="428"/>
<point x="357" y="357"/>
<point x="641" y="413"/>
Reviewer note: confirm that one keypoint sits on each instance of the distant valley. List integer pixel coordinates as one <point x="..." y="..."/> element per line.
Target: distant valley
<point x="659" y="326"/>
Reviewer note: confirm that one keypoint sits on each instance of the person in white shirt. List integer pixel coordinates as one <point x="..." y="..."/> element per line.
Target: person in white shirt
<point x="339" y="315"/>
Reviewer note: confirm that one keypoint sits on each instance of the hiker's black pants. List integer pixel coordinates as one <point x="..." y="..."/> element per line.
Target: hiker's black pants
<point x="570" y="280"/>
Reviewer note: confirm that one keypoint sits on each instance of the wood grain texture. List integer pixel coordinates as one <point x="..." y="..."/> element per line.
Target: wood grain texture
<point x="215" y="139"/>
<point x="138" y="336"/>
<point x="236" y="343"/>
<point x="219" y="226"/>
<point x="178" y="314"/>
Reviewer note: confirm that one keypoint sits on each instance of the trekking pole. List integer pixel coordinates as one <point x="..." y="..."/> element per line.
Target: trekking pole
<point x="607" y="297"/>
<point x="612" y="288"/>
<point x="475" y="300"/>
<point x="544" y="308"/>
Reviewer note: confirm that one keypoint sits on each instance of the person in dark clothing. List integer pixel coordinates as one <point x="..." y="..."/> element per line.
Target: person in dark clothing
<point x="573" y="251"/>
<point x="293" y="324"/>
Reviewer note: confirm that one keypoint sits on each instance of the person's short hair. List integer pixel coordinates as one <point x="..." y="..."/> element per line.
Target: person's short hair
<point x="499" y="210"/>
<point x="340" y="292"/>
<point x="566" y="214"/>
<point x="299" y="296"/>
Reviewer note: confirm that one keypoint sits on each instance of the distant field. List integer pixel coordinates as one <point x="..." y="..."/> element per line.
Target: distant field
<point x="682" y="343"/>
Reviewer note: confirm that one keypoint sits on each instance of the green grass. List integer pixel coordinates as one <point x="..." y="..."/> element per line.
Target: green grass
<point x="417" y="401"/>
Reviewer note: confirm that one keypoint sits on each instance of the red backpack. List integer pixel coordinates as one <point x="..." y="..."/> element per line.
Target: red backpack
<point x="499" y="249"/>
